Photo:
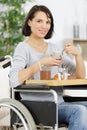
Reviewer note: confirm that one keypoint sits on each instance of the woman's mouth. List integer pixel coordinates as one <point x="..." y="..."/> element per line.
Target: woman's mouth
<point x="43" y="32"/>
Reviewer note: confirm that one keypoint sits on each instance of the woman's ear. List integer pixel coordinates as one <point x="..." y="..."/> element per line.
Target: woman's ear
<point x="29" y="22"/>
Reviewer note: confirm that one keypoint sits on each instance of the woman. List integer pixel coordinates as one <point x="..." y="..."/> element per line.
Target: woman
<point x="34" y="53"/>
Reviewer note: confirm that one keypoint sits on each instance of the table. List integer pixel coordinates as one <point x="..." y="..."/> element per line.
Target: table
<point x="71" y="82"/>
<point x="72" y="87"/>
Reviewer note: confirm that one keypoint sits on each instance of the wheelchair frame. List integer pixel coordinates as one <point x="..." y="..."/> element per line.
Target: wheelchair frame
<point x="14" y="105"/>
<point x="54" y="121"/>
<point x="23" y="111"/>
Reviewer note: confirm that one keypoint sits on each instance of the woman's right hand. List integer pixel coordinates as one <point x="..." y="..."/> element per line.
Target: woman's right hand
<point x="51" y="61"/>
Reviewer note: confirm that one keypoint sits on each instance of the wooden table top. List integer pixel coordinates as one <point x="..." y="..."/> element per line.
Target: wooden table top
<point x="70" y="82"/>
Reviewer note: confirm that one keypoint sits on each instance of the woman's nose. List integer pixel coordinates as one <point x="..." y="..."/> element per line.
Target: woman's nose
<point x="44" y="25"/>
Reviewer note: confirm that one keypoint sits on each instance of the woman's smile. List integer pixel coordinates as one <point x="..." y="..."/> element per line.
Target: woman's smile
<point x="43" y="32"/>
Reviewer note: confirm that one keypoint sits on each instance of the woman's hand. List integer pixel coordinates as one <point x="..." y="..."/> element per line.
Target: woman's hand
<point x="80" y="67"/>
<point x="51" y="61"/>
<point x="71" y="49"/>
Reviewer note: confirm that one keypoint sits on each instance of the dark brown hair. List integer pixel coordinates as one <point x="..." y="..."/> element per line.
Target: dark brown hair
<point x="26" y="28"/>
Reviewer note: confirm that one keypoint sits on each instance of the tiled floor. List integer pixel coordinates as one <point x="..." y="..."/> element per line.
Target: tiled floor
<point x="6" y="128"/>
<point x="63" y="128"/>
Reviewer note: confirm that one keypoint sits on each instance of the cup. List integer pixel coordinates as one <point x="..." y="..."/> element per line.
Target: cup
<point x="45" y="74"/>
<point x="57" y="52"/>
<point x="63" y="73"/>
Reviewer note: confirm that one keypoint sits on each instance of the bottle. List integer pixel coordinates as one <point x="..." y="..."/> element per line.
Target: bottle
<point x="76" y="30"/>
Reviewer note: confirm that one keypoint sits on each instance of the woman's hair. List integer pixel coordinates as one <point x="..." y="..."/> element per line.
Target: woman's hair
<point x="26" y="28"/>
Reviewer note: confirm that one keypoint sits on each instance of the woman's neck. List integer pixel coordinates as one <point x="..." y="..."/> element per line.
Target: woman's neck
<point x="37" y="44"/>
<point x="35" y="41"/>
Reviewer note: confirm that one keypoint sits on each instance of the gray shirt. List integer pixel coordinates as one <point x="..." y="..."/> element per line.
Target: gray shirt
<point x="25" y="56"/>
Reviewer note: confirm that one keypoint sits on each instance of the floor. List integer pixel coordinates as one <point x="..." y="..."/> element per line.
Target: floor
<point x="63" y="128"/>
<point x="7" y="128"/>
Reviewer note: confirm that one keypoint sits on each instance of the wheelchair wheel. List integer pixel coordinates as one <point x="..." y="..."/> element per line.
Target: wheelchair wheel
<point x="26" y="121"/>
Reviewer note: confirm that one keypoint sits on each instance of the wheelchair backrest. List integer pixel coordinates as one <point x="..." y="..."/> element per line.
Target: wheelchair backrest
<point x="5" y="63"/>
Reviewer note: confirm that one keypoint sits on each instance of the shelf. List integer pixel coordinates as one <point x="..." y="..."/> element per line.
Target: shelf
<point x="80" y="40"/>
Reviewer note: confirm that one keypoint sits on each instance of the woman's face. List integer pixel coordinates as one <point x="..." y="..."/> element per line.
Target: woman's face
<point x="40" y="24"/>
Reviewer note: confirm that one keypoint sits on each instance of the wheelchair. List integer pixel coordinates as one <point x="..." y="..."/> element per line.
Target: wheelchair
<point x="27" y="114"/>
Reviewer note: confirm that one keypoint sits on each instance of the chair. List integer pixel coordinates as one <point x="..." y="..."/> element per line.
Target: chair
<point x="8" y="105"/>
<point x="5" y="63"/>
<point x="28" y="111"/>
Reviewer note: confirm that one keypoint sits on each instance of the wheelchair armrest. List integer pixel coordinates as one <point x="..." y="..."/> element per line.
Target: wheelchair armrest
<point x="5" y="61"/>
<point x="33" y="87"/>
<point x="36" y="88"/>
<point x="6" y="64"/>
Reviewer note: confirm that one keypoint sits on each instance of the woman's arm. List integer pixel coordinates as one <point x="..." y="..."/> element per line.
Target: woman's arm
<point x="80" y="67"/>
<point x="28" y="72"/>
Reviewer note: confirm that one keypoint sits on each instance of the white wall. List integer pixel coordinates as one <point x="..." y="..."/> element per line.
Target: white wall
<point x="66" y="13"/>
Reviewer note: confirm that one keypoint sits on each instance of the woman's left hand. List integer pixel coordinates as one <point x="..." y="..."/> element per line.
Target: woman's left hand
<point x="71" y="49"/>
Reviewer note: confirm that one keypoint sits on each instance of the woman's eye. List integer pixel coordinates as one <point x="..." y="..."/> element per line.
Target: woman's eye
<point x="48" y="22"/>
<point x="39" y="21"/>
